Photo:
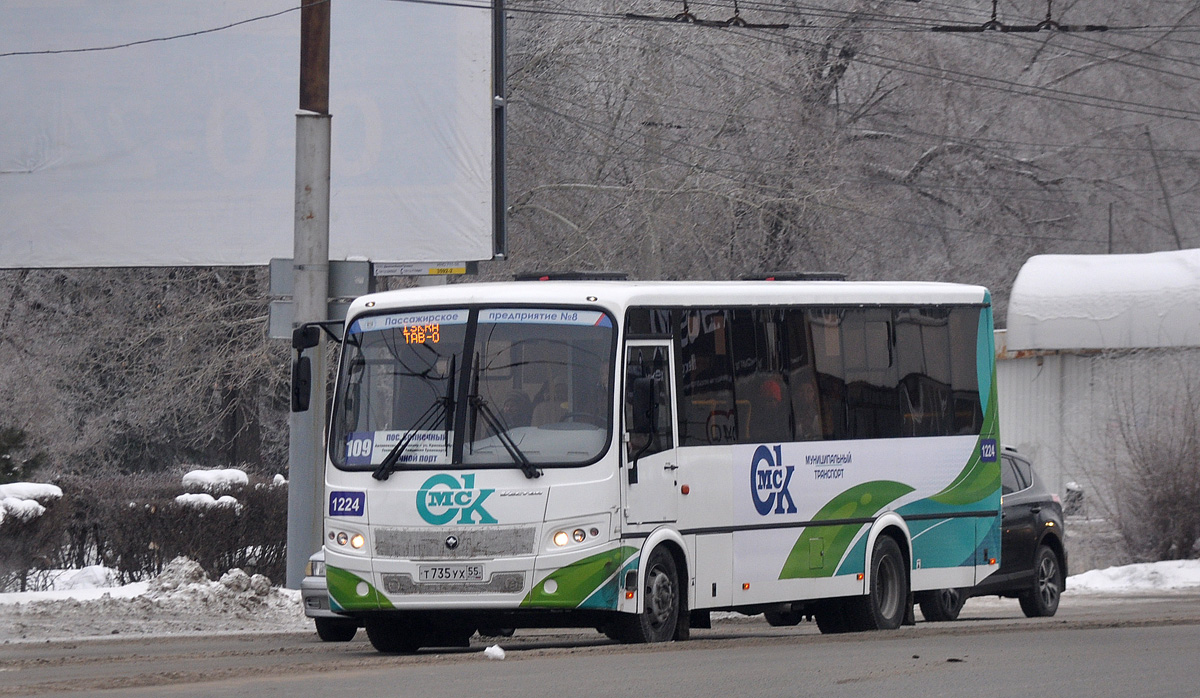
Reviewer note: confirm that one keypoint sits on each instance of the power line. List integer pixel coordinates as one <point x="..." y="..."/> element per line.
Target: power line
<point x="896" y="23"/>
<point x="990" y="82"/>
<point x="1000" y="84"/>
<point x="173" y="37"/>
<point x="724" y="68"/>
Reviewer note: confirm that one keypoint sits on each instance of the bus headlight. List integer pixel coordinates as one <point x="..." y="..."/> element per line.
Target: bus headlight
<point x="342" y="538"/>
<point x="357" y="541"/>
<point x="571" y="535"/>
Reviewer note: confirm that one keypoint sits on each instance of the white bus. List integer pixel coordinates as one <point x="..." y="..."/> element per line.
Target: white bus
<point x="631" y="456"/>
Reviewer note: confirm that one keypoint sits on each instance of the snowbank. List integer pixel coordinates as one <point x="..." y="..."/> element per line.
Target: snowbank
<point x="1151" y="576"/>
<point x="181" y="600"/>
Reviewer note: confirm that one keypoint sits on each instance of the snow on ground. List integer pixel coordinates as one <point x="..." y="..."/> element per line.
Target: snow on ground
<point x="182" y="600"/>
<point x="1151" y="576"/>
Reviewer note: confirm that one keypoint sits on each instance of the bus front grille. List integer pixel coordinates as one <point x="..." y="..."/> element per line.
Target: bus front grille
<point x="499" y="583"/>
<point x="454" y="543"/>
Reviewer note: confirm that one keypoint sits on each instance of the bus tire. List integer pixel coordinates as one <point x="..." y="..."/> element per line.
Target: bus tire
<point x="783" y="619"/>
<point x="392" y="637"/>
<point x="943" y="604"/>
<point x="1042" y="598"/>
<point x="336" y="629"/>
<point x="832" y="616"/>
<point x="883" y="607"/>
<point x="661" y="597"/>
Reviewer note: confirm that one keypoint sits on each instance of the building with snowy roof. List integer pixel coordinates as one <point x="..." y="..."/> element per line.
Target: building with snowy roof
<point x="1099" y="359"/>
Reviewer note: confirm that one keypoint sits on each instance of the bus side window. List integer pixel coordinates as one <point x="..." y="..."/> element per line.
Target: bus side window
<point x="708" y="413"/>
<point x="760" y="384"/>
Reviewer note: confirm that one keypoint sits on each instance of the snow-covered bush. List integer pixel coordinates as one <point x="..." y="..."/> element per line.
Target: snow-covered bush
<point x="135" y="524"/>
<point x="24" y="500"/>
<point x="215" y="480"/>
<point x="31" y="519"/>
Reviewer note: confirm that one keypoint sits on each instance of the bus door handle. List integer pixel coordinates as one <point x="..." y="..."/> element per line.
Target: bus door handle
<point x="670" y="466"/>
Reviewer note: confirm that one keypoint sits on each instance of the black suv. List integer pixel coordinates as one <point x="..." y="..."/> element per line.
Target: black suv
<point x="1033" y="559"/>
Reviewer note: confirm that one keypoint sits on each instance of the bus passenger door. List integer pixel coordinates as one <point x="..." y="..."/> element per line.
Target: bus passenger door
<point x="648" y="436"/>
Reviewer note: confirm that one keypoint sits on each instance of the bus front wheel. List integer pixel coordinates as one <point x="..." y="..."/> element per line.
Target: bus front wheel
<point x="660" y="617"/>
<point x="336" y="629"/>
<point x="392" y="637"/>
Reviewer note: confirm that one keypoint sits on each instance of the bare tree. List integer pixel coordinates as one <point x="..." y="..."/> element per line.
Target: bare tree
<point x="855" y="140"/>
<point x="1149" y="461"/>
<point x="140" y="369"/>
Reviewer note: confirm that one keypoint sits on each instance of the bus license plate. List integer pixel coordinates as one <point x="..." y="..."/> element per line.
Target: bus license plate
<point x="450" y="573"/>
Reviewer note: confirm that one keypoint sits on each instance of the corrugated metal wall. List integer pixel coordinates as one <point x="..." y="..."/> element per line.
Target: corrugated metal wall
<point x="1072" y="413"/>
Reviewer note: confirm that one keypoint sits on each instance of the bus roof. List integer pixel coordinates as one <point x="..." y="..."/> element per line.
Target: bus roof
<point x="617" y="295"/>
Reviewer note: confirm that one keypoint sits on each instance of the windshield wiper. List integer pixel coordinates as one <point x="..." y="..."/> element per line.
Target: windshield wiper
<point x="480" y="408"/>
<point x="441" y="409"/>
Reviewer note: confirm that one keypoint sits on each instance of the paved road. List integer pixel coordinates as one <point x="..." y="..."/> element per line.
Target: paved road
<point x="1095" y="647"/>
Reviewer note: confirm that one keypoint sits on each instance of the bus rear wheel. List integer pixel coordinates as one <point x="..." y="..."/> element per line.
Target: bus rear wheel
<point x="943" y="604"/>
<point x="392" y="637"/>
<point x="832" y="616"/>
<point x="660" y="618"/>
<point x="783" y="619"/>
<point x="884" y="606"/>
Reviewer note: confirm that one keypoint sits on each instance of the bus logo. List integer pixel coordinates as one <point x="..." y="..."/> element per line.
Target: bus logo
<point x="442" y="497"/>
<point x="769" y="482"/>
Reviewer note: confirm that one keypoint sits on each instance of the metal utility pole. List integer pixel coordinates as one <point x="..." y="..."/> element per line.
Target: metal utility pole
<point x="306" y="452"/>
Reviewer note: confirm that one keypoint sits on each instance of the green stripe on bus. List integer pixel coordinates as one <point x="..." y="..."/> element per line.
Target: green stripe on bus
<point x="819" y="548"/>
<point x="344" y="593"/>
<point x="573" y="584"/>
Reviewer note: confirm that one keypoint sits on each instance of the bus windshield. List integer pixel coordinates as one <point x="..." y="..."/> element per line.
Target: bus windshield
<point x="533" y="387"/>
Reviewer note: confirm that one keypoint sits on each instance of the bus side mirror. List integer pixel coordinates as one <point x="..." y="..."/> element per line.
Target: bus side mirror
<point x="306" y="337"/>
<point x="301" y="383"/>
<point x="303" y="337"/>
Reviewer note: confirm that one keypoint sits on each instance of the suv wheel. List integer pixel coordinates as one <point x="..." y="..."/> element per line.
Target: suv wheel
<point x="1041" y="600"/>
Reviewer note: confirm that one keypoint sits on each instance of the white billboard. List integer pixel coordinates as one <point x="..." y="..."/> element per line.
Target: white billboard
<point x="180" y="148"/>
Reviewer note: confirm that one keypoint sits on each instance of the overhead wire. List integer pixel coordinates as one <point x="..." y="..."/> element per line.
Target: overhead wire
<point x="994" y="83"/>
<point x="999" y="84"/>
<point x="718" y="66"/>
<point x="173" y="37"/>
<point x="680" y="143"/>
<point x="893" y="22"/>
